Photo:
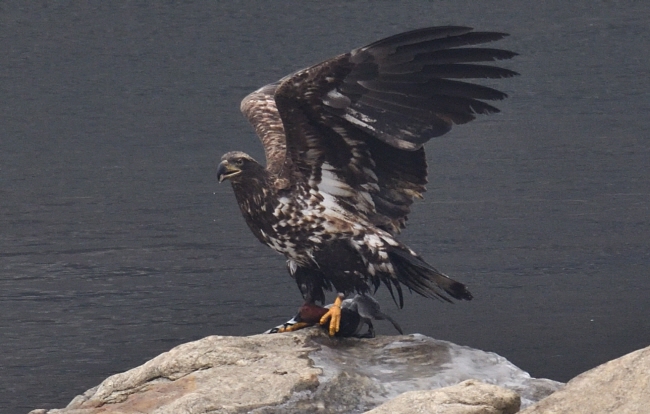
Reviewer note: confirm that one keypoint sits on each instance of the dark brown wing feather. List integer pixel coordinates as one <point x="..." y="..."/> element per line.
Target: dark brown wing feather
<point x="355" y="124"/>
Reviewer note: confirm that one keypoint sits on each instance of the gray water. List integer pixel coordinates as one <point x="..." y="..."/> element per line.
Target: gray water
<point x="116" y="242"/>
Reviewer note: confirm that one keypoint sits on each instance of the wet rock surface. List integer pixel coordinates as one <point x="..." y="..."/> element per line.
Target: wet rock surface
<point x="298" y="372"/>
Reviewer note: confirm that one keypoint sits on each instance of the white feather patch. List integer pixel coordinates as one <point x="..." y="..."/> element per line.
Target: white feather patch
<point x="373" y="241"/>
<point x="357" y="122"/>
<point x="359" y="117"/>
<point x="332" y="207"/>
<point x="331" y="184"/>
<point x="293" y="266"/>
<point x="336" y="99"/>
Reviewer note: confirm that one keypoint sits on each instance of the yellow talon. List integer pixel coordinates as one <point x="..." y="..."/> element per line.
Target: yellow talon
<point x="334" y="316"/>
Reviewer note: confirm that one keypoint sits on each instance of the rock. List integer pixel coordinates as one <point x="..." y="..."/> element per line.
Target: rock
<point x="468" y="397"/>
<point x="619" y="386"/>
<point x="305" y="371"/>
<point x="397" y="364"/>
<point x="231" y="374"/>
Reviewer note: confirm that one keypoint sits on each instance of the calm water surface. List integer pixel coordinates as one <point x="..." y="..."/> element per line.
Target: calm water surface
<point x="116" y="242"/>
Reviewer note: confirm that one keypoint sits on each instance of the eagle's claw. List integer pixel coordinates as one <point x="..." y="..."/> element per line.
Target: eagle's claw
<point x="334" y="316"/>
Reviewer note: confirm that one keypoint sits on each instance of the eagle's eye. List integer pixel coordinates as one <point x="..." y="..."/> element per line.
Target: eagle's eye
<point x="239" y="162"/>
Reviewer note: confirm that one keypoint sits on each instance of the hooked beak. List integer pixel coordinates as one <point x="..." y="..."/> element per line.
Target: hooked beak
<point x="226" y="171"/>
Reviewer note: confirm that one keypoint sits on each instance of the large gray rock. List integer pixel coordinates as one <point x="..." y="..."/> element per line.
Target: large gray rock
<point x="304" y="371"/>
<point x="468" y="397"/>
<point x="621" y="386"/>
<point x="229" y="374"/>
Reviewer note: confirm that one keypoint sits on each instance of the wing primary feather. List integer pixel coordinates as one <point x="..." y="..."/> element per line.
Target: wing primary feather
<point x="437" y="106"/>
<point x="465" y="71"/>
<point x="415" y="36"/>
<point x="463" y="55"/>
<point x="407" y="52"/>
<point x="432" y="88"/>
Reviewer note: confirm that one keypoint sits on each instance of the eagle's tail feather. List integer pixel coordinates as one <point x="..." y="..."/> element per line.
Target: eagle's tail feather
<point x="424" y="279"/>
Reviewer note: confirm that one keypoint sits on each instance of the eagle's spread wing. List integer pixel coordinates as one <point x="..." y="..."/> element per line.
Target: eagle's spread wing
<point x="355" y="124"/>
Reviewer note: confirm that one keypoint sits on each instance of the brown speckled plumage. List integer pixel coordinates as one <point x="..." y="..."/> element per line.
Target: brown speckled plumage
<point x="343" y="141"/>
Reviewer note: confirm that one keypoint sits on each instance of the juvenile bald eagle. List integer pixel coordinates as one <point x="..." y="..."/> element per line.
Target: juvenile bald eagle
<point x="343" y="141"/>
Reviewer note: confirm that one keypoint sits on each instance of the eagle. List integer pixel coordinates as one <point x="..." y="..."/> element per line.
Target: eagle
<point x="343" y="141"/>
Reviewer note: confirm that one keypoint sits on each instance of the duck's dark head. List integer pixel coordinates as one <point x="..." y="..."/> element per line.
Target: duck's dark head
<point x="237" y="166"/>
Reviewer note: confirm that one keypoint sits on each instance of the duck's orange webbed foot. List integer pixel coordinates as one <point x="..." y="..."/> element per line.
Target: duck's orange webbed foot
<point x="295" y="327"/>
<point x="333" y="315"/>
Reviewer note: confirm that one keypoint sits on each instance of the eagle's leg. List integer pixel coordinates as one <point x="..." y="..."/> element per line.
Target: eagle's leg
<point x="334" y="315"/>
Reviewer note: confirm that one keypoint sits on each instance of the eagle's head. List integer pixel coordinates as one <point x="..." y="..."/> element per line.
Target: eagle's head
<point x="236" y="166"/>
